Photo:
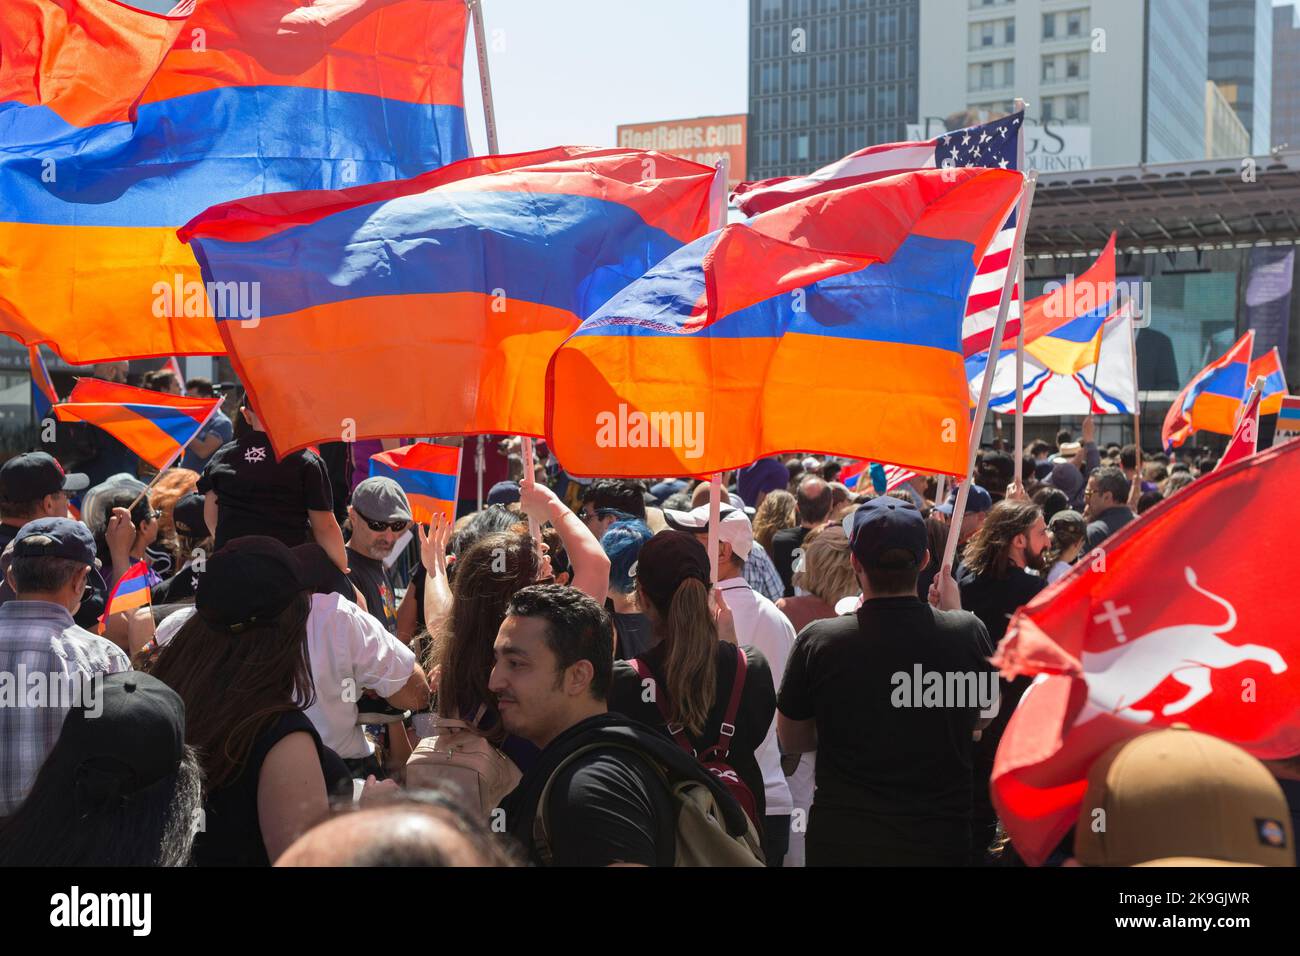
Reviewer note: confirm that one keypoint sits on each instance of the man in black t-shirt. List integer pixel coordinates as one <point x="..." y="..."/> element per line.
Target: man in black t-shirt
<point x="248" y="492"/>
<point x="378" y="516"/>
<point x="995" y="580"/>
<point x="813" y="501"/>
<point x="890" y="698"/>
<point x="608" y="807"/>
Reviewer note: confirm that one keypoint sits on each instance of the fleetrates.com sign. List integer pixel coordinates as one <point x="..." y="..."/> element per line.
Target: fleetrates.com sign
<point x="703" y="140"/>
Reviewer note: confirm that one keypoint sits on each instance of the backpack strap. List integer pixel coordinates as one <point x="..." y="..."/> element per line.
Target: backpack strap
<point x="722" y="749"/>
<point x="541" y="835"/>
<point x="676" y="731"/>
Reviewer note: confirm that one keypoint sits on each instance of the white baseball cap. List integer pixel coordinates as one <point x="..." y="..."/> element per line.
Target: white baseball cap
<point x="733" y="528"/>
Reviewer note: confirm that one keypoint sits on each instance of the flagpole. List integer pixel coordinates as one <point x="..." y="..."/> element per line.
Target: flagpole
<point x="490" y="126"/>
<point x="1018" y="266"/>
<point x="715" y="509"/>
<point x="717" y="219"/>
<point x="1096" y="368"/>
<point x="986" y="387"/>
<point x="172" y="460"/>
<point x="1137" y="401"/>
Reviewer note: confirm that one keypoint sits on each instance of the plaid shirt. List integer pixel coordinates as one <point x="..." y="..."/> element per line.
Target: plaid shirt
<point x="44" y="657"/>
<point x="761" y="574"/>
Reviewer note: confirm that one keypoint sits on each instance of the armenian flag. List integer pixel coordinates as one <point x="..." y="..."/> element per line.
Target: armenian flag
<point x="1269" y="367"/>
<point x="705" y="363"/>
<point x="1288" y="414"/>
<point x="1063" y="328"/>
<point x="429" y="474"/>
<point x="154" y="425"/>
<point x="451" y="289"/>
<point x="131" y="591"/>
<point x="118" y="125"/>
<point x="44" y="397"/>
<point x="1212" y="399"/>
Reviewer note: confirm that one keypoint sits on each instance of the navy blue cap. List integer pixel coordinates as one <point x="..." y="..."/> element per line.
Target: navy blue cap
<point x="884" y="524"/>
<point x="977" y="502"/>
<point x="503" y="493"/>
<point x="55" y="538"/>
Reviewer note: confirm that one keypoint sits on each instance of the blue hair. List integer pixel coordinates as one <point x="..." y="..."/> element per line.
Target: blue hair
<point x="622" y="543"/>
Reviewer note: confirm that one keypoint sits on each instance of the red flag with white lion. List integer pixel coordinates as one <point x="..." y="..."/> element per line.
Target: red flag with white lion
<point x="1178" y="618"/>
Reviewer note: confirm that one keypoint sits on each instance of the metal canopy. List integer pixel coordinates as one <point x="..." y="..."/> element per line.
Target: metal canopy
<point x="1160" y="207"/>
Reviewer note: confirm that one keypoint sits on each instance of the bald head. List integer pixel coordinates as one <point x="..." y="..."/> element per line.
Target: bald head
<point x="406" y="833"/>
<point x="813" y="499"/>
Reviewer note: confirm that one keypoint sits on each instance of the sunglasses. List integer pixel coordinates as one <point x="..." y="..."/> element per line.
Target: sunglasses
<point x="397" y="527"/>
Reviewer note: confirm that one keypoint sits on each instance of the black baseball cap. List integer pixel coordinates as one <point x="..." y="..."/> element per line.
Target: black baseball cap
<point x="188" y="518"/>
<point x="127" y="735"/>
<point x="668" y="559"/>
<point x="34" y="475"/>
<point x="248" y="583"/>
<point x="885" y="524"/>
<point x="504" y="493"/>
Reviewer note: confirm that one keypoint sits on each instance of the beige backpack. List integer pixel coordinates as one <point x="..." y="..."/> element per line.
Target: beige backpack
<point x="454" y="755"/>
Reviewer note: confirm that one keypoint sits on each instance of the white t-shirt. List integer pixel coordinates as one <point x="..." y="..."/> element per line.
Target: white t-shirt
<point x="760" y="625"/>
<point x="348" y="650"/>
<point x="1059" y="570"/>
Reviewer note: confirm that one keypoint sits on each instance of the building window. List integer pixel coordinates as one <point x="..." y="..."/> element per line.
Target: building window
<point x="1049" y="26"/>
<point x="1009" y="34"/>
<point x="1074" y="24"/>
<point x="799" y="147"/>
<point x="986" y="76"/>
<point x="826" y="70"/>
<point x="799" y="110"/>
<point x="769" y="78"/>
<point x="828" y="107"/>
<point x="986" y="34"/>
<point x="769" y="149"/>
<point x="827" y="145"/>
<point x="798" y="76"/>
<point x="856" y="66"/>
<point x="1076" y="107"/>
<point x="1049" y="69"/>
<point x="1074" y="66"/>
<point x="1049" y="113"/>
<point x="769" y="9"/>
<point x="855" y="105"/>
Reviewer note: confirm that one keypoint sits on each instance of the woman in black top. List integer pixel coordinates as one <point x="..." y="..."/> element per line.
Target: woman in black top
<point x="239" y="664"/>
<point x="691" y="666"/>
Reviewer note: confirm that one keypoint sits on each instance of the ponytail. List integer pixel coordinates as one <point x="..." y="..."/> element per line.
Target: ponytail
<point x="692" y="655"/>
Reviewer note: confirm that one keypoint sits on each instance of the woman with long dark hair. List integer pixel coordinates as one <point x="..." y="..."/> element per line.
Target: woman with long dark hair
<point x="694" y="667"/>
<point x="240" y="665"/>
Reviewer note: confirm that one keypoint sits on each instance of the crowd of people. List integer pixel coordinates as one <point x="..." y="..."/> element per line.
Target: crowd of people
<point x="321" y="680"/>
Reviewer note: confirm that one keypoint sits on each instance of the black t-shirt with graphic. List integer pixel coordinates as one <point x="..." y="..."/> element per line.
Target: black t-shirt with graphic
<point x="373" y="581"/>
<point x="258" y="495"/>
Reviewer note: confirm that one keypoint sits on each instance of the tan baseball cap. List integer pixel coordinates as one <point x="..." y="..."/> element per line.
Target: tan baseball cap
<point x="1180" y="798"/>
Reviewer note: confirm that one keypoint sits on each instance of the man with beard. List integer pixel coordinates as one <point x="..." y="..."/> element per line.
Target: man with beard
<point x="378" y="516"/>
<point x="995" y="580"/>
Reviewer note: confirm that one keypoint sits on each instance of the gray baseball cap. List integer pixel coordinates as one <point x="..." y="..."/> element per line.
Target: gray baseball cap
<point x="381" y="499"/>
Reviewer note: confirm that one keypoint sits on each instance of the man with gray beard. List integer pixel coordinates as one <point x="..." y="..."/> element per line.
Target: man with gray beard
<point x="379" y="515"/>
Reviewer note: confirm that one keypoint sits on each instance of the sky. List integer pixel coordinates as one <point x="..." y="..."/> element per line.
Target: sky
<point x="567" y="72"/>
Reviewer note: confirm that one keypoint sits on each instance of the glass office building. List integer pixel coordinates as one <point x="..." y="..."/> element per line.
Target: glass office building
<point x="1240" y="62"/>
<point x="827" y="77"/>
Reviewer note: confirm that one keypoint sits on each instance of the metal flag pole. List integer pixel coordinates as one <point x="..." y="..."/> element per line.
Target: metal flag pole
<point x="1137" y="400"/>
<point x="986" y="388"/>
<point x="1019" y="268"/>
<point x="717" y="219"/>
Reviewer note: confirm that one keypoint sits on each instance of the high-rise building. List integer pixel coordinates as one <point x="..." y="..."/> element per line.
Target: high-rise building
<point x="1225" y="134"/>
<point x="1108" y="82"/>
<point x="1286" y="76"/>
<point x="827" y="77"/>
<point x="1241" y="62"/>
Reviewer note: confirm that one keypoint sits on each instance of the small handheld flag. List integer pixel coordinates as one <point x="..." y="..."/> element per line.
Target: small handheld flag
<point x="154" y="425"/>
<point x="1211" y="400"/>
<point x="429" y="474"/>
<point x="1288" y="415"/>
<point x="1269" y="367"/>
<point x="131" y="592"/>
<point x="44" y="397"/>
<point x="1245" y="438"/>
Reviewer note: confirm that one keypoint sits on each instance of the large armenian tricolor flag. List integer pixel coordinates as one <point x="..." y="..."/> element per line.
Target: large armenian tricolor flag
<point x="829" y="324"/>
<point x="1212" y="399"/>
<point x="430" y="306"/>
<point x="118" y="125"/>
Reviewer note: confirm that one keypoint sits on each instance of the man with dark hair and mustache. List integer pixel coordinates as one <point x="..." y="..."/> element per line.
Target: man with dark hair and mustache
<point x="1001" y="571"/>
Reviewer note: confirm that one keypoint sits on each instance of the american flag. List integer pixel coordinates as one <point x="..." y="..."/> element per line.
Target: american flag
<point x="894" y="475"/>
<point x="991" y="144"/>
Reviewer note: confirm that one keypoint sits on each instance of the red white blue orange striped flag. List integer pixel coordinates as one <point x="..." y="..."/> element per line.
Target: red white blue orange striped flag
<point x="1212" y="400"/>
<point x="154" y="425"/>
<point x="1269" y="367"/>
<point x="704" y="363"/>
<point x="429" y="474"/>
<point x="991" y="145"/>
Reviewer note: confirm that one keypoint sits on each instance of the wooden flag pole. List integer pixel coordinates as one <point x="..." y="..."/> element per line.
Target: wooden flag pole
<point x="986" y="387"/>
<point x="1019" y="269"/>
<point x="1137" y="401"/>
<point x="715" y="509"/>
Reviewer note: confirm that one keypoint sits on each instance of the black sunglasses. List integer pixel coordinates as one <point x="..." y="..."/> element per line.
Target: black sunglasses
<point x="394" y="526"/>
